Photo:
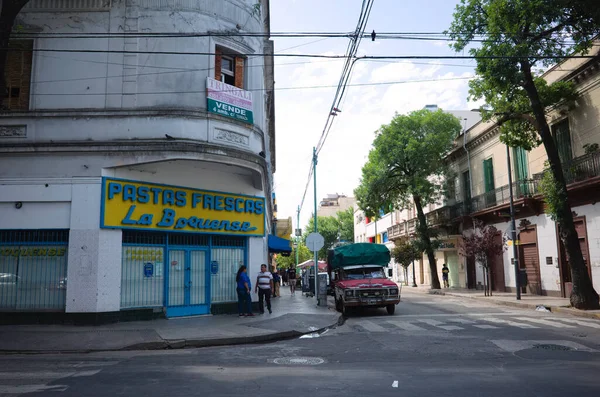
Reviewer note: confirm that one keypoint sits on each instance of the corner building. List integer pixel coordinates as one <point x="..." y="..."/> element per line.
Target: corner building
<point x="135" y="179"/>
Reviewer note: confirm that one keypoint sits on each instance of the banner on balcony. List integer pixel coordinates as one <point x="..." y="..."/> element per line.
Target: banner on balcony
<point x="229" y="101"/>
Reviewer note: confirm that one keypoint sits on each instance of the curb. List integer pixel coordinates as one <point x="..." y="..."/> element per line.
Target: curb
<point x="173" y="344"/>
<point x="553" y="309"/>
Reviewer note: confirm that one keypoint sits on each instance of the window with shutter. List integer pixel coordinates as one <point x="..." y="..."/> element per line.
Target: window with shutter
<point x="17" y="74"/>
<point x="229" y="68"/>
<point x="562" y="138"/>
<point x="521" y="172"/>
<point x="488" y="175"/>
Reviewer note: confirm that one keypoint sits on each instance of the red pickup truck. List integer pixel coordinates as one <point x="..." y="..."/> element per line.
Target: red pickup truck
<point x="358" y="277"/>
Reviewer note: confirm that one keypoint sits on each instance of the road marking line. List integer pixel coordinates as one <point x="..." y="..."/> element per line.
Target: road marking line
<point x="450" y="327"/>
<point x="544" y="322"/>
<point x="406" y="326"/>
<point x="578" y="322"/>
<point x="485" y="326"/>
<point x="461" y="321"/>
<point x="395" y="384"/>
<point x="429" y="321"/>
<point x="511" y="323"/>
<point x="371" y="326"/>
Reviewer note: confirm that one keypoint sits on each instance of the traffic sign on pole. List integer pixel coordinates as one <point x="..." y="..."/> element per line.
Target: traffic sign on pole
<point x="315" y="242"/>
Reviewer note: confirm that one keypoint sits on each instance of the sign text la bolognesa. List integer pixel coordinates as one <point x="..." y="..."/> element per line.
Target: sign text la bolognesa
<point x="132" y="204"/>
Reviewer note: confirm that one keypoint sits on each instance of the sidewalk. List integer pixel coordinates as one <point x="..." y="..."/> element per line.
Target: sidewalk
<point x="556" y="305"/>
<point x="293" y="316"/>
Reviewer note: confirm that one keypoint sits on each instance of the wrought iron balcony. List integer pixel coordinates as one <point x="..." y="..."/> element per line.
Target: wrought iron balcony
<point x="579" y="169"/>
<point x="501" y="195"/>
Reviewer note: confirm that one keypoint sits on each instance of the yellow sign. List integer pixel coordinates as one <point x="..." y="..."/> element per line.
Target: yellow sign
<point x="140" y="205"/>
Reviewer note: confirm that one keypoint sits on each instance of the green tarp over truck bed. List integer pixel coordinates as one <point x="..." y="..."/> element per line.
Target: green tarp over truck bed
<point x="359" y="254"/>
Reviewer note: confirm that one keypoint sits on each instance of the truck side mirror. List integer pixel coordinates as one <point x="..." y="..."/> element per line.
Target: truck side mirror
<point x="390" y="273"/>
<point x="333" y="276"/>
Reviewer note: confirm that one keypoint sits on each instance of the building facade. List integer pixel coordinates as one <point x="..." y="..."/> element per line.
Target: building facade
<point x="482" y="192"/>
<point x="334" y="203"/>
<point x="134" y="176"/>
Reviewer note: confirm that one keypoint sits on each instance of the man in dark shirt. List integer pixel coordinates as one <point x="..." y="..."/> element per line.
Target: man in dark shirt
<point x="445" y="272"/>
<point x="292" y="279"/>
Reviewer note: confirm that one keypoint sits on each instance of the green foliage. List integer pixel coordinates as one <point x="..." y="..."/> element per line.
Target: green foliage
<point x="328" y="227"/>
<point x="554" y="194"/>
<point x="521" y="35"/>
<point x="590" y="148"/>
<point x="286" y="262"/>
<point x="346" y="224"/>
<point x="406" y="252"/>
<point x="407" y="160"/>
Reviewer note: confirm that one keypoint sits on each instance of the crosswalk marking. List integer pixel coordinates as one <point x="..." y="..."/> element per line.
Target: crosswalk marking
<point x="450" y="327"/>
<point x="485" y="326"/>
<point x="461" y="321"/>
<point x="372" y="327"/>
<point x="508" y="322"/>
<point x="544" y="322"/>
<point x="429" y="321"/>
<point x="579" y="322"/>
<point x="406" y="326"/>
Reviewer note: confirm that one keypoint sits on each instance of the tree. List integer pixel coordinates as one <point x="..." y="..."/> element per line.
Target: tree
<point x="520" y="36"/>
<point x="482" y="245"/>
<point x="346" y="224"/>
<point x="405" y="253"/>
<point x="328" y="227"/>
<point x="8" y="13"/>
<point x="287" y="262"/>
<point x="406" y="166"/>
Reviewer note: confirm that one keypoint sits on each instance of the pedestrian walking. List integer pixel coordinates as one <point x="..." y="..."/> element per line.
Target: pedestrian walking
<point x="292" y="279"/>
<point x="276" y="284"/>
<point x="243" y="290"/>
<point x="445" y="272"/>
<point x="284" y="277"/>
<point x="264" y="286"/>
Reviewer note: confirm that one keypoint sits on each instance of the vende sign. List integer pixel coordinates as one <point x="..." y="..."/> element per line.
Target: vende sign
<point x="229" y="101"/>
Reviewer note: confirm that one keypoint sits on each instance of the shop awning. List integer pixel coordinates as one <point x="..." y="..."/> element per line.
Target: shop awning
<point x="279" y="245"/>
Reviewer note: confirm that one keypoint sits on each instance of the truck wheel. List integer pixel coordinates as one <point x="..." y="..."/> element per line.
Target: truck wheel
<point x="338" y="304"/>
<point x="390" y="309"/>
<point x="345" y="310"/>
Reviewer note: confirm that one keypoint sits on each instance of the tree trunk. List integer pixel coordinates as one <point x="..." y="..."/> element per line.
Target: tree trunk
<point x="583" y="296"/>
<point x="423" y="231"/>
<point x="8" y="14"/>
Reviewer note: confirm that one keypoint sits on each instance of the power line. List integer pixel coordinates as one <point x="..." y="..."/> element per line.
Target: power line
<point x="260" y="89"/>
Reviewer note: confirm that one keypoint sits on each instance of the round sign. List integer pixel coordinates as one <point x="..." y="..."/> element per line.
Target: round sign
<point x="315" y="242"/>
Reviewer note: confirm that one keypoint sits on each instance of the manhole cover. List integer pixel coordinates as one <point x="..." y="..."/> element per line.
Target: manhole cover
<point x="298" y="361"/>
<point x="552" y="347"/>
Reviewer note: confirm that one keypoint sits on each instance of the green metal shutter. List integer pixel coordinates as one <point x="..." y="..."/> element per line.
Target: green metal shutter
<point x="562" y="139"/>
<point x="488" y="175"/>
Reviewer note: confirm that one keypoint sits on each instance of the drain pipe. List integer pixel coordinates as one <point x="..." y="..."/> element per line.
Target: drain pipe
<point x="468" y="157"/>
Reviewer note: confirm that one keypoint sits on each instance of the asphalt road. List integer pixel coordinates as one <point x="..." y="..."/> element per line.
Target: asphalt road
<point x="432" y="346"/>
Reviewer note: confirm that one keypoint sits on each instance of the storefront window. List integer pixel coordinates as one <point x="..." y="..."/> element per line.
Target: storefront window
<point x="33" y="277"/>
<point x="224" y="265"/>
<point x="142" y="280"/>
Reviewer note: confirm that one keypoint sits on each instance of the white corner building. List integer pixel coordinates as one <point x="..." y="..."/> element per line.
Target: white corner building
<point x="135" y="178"/>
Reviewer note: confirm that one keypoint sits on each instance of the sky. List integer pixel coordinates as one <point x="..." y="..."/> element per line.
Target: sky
<point x="301" y="113"/>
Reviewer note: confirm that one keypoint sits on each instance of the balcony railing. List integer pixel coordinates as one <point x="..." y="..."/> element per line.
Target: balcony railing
<point x="579" y="169"/>
<point x="522" y="188"/>
<point x="396" y="231"/>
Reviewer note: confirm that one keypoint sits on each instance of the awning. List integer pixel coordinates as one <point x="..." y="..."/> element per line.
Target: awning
<point x="279" y="245"/>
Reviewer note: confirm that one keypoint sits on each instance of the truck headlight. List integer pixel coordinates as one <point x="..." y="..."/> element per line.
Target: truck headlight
<point x="394" y="291"/>
<point x="349" y="293"/>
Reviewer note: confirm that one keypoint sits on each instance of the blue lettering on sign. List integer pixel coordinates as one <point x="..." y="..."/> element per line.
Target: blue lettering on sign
<point x="214" y="267"/>
<point x="148" y="269"/>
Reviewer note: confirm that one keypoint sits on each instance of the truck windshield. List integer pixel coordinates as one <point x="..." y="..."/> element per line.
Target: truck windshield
<point x="359" y="274"/>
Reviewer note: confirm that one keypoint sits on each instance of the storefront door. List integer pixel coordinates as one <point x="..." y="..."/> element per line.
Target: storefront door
<point x="188" y="292"/>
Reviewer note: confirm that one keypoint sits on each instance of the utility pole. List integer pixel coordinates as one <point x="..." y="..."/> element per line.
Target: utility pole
<point x="513" y="227"/>
<point x="296" y="238"/>
<point x="316" y="231"/>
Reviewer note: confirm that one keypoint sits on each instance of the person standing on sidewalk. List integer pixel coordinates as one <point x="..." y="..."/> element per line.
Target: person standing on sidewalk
<point x="276" y="284"/>
<point x="445" y="272"/>
<point x="243" y="290"/>
<point x="292" y="279"/>
<point x="264" y="286"/>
